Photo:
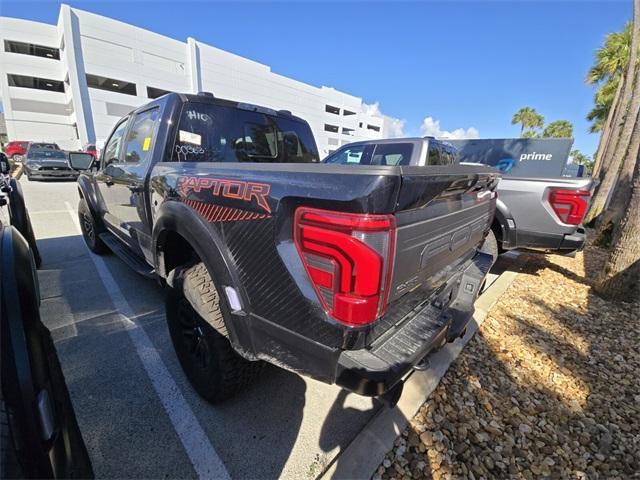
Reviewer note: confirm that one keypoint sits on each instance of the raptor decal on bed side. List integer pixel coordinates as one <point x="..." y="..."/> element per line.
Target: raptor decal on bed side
<point x="232" y="189"/>
<point x="218" y="213"/>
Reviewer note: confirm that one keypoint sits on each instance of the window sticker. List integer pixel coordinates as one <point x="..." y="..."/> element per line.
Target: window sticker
<point x="189" y="137"/>
<point x="146" y="144"/>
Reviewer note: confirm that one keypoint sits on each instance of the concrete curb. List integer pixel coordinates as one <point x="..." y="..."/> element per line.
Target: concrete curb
<point x="367" y="450"/>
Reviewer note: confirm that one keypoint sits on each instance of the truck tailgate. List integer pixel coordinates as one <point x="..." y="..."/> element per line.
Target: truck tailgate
<point x="442" y="216"/>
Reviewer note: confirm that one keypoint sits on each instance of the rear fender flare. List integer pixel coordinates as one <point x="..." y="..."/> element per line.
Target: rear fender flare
<point x="506" y="235"/>
<point x="207" y="243"/>
<point x="86" y="190"/>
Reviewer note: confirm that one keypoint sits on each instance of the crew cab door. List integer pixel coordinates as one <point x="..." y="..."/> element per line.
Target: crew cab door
<point x="121" y="180"/>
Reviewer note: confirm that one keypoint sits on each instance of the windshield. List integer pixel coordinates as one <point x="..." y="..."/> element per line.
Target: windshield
<point x="385" y="154"/>
<point x="46" y="155"/>
<point x="42" y="146"/>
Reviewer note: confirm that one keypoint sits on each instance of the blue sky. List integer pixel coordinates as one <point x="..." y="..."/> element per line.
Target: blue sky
<point x="464" y="64"/>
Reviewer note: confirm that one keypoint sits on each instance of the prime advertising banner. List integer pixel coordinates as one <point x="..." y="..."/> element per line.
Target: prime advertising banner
<point x="519" y="157"/>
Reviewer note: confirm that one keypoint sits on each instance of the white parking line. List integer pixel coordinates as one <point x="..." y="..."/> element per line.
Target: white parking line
<point x="204" y="458"/>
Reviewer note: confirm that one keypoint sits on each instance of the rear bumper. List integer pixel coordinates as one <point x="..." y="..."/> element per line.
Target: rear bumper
<point x="552" y="243"/>
<point x="379" y="367"/>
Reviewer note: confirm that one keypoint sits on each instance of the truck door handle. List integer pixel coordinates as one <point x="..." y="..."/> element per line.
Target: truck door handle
<point x="135" y="188"/>
<point x="108" y="182"/>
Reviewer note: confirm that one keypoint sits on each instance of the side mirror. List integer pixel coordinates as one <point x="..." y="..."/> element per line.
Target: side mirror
<point x="80" y="161"/>
<point x="5" y="166"/>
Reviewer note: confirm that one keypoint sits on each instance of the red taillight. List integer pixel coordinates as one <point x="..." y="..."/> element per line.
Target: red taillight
<point x="569" y="205"/>
<point x="348" y="258"/>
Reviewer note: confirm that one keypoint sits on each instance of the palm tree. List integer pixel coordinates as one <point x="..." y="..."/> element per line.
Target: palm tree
<point x="611" y="61"/>
<point x="603" y="101"/>
<point x="528" y="118"/>
<point x="558" y="129"/>
<point x="612" y="58"/>
<point x="617" y="147"/>
<point x="580" y="158"/>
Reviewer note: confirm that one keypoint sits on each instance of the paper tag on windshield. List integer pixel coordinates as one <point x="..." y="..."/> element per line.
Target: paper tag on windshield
<point x="189" y="137"/>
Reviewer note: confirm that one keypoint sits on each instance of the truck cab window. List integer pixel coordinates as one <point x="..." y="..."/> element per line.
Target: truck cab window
<point x="217" y="133"/>
<point x="259" y="142"/>
<point x="297" y="143"/>
<point x="203" y="134"/>
<point x="112" y="148"/>
<point x="355" y="154"/>
<point x="392" y="154"/>
<point x="140" y="136"/>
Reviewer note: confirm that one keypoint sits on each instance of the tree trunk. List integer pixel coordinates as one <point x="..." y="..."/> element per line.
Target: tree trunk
<point x="613" y="214"/>
<point x="621" y="277"/>
<point x="620" y="134"/>
<point x="605" y="136"/>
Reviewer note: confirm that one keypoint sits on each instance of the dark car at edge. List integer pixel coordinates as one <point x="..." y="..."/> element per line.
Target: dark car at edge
<point x="48" y="164"/>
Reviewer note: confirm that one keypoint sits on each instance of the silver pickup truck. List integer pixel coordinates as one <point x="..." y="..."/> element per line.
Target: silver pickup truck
<point x="539" y="214"/>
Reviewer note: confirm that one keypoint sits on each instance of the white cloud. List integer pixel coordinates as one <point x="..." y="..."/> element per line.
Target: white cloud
<point x="371" y="109"/>
<point x="393" y="127"/>
<point x="431" y="127"/>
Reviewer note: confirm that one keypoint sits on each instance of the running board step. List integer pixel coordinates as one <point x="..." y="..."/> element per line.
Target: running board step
<point x="134" y="261"/>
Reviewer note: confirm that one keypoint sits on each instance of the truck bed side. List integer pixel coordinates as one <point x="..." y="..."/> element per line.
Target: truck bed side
<point x="442" y="215"/>
<point x="525" y="203"/>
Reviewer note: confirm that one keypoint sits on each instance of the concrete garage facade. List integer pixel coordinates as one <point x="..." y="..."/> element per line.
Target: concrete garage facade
<point x="69" y="83"/>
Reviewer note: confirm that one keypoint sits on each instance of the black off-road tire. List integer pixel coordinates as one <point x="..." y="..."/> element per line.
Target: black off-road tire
<point x="9" y="464"/>
<point x="22" y="221"/>
<point x="91" y="229"/>
<point x="199" y="335"/>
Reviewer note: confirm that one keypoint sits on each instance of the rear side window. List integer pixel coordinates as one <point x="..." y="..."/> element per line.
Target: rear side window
<point x="385" y="154"/>
<point x="216" y="133"/>
<point x="352" y="155"/>
<point x="440" y="155"/>
<point x="140" y="136"/>
<point x="392" y="154"/>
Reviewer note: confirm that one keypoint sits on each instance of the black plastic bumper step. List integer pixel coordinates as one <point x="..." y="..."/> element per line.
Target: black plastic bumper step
<point x="134" y="261"/>
<point x="374" y="370"/>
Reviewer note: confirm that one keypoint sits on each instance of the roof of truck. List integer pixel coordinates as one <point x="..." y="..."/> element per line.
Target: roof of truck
<point x="414" y="140"/>
<point x="207" y="97"/>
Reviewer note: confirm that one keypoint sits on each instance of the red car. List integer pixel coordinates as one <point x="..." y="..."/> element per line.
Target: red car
<point x="91" y="149"/>
<point x="16" y="149"/>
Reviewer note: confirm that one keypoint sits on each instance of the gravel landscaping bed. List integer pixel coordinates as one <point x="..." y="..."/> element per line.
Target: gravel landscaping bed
<point x="548" y="387"/>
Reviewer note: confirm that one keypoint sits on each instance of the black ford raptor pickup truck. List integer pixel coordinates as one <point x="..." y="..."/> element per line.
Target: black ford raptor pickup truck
<point x="350" y="274"/>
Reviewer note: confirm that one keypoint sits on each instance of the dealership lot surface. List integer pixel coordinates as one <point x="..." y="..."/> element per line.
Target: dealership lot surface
<point x="137" y="412"/>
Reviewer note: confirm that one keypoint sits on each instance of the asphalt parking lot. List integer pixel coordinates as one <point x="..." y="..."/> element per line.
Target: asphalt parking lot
<point x="137" y="412"/>
<point x="129" y="392"/>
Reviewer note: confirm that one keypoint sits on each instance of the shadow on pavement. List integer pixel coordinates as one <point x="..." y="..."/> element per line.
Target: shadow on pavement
<point x="122" y="419"/>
